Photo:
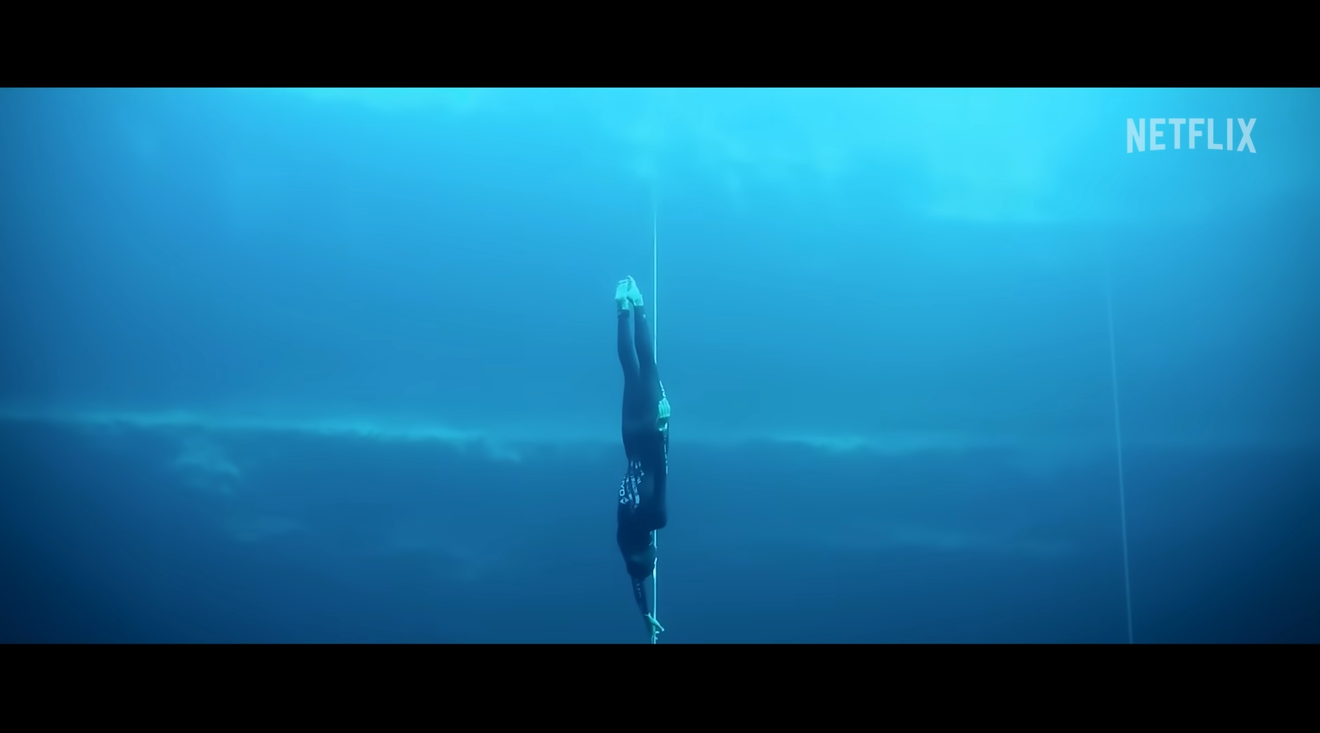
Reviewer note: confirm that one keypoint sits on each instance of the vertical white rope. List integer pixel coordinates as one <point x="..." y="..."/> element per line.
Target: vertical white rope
<point x="655" y="346"/>
<point x="1118" y="440"/>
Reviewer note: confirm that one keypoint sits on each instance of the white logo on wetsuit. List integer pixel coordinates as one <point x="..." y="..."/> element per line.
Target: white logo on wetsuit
<point x="630" y="488"/>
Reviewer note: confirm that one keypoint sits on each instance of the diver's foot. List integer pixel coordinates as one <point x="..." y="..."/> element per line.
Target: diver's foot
<point x="622" y="299"/>
<point x="634" y="294"/>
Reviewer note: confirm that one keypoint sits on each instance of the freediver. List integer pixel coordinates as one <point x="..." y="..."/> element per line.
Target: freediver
<point x="641" y="508"/>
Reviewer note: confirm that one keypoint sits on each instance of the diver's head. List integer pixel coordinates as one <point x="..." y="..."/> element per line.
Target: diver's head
<point x="640" y="563"/>
<point x="662" y="415"/>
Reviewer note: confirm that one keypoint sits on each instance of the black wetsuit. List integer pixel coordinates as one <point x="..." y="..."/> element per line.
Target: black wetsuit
<point x="642" y="492"/>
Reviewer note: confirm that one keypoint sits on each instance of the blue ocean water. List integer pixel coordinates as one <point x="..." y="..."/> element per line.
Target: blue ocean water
<point x="336" y="365"/>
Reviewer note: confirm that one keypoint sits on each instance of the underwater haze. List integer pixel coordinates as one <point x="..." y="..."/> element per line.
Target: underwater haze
<point x="946" y="365"/>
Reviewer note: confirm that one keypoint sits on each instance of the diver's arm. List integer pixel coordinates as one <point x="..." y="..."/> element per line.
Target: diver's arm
<point x="653" y="627"/>
<point x="655" y="480"/>
<point x="659" y="482"/>
<point x="639" y="594"/>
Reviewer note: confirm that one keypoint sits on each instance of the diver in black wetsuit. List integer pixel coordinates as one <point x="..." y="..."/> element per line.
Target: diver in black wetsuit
<point x="646" y="442"/>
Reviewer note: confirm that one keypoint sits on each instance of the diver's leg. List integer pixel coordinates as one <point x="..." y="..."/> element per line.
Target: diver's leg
<point x="645" y="346"/>
<point x="644" y="339"/>
<point x="648" y="372"/>
<point x="627" y="351"/>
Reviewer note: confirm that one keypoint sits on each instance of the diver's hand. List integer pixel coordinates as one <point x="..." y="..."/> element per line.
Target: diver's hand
<point x="653" y="627"/>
